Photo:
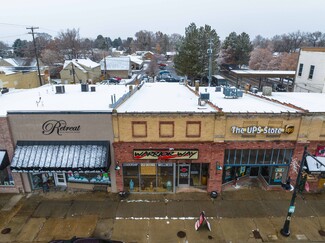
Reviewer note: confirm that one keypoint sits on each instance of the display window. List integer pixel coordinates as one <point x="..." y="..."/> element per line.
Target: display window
<point x="91" y="177"/>
<point x="6" y="178"/>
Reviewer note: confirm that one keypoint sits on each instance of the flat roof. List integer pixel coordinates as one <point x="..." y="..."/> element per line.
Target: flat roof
<point x="313" y="102"/>
<point x="45" y="99"/>
<point x="264" y="73"/>
<point x="164" y="97"/>
<point x="248" y="103"/>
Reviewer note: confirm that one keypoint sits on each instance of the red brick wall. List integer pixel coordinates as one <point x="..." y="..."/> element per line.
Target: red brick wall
<point x="6" y="143"/>
<point x="208" y="153"/>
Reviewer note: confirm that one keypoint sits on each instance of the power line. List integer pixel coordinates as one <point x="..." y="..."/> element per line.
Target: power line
<point x="17" y="25"/>
<point x="32" y="32"/>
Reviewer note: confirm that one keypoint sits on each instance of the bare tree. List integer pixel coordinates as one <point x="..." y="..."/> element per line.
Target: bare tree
<point x="70" y="43"/>
<point x="260" y="58"/>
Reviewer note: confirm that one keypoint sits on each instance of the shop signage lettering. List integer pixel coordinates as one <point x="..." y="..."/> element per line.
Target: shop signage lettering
<point x="165" y="154"/>
<point x="288" y="129"/>
<point x="58" y="127"/>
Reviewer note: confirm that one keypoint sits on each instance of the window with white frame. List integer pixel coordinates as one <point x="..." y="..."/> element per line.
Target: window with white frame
<point x="301" y="66"/>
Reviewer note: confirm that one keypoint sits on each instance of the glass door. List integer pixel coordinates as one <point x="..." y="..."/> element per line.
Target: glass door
<point x="60" y="179"/>
<point x="183" y="175"/>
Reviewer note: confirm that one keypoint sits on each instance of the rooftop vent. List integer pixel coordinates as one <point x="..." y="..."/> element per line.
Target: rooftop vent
<point x="4" y="90"/>
<point x="232" y="92"/>
<point x="267" y="91"/>
<point x="218" y="88"/>
<point x="93" y="89"/>
<point x="204" y="96"/>
<point x="60" y="89"/>
<point x="84" y="87"/>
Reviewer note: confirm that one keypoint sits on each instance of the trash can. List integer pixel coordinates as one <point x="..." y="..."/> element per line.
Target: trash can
<point x="214" y="194"/>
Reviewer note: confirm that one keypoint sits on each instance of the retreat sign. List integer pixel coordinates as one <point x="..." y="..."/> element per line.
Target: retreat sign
<point x="165" y="154"/>
<point x="288" y="129"/>
<point x="58" y="127"/>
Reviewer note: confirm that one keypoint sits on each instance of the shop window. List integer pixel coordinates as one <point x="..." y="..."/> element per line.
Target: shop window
<point x="245" y="157"/>
<point x="139" y="129"/>
<point x="287" y="156"/>
<point x="265" y="172"/>
<point x="166" y="129"/>
<point x="252" y="156"/>
<point x="268" y="156"/>
<point x="148" y="177"/>
<point x="92" y="178"/>
<point x="193" y="129"/>
<point x="6" y="178"/>
<point x="260" y="156"/>
<point x="131" y="177"/>
<point x="165" y="175"/>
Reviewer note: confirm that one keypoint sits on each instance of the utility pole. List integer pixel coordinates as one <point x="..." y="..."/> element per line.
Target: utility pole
<point x="38" y="70"/>
<point x="210" y="61"/>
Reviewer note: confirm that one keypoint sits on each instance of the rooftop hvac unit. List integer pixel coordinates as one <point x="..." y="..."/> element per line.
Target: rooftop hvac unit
<point x="93" y="89"/>
<point x="59" y="89"/>
<point x="4" y="90"/>
<point x="232" y="92"/>
<point x="218" y="89"/>
<point x="204" y="96"/>
<point x="84" y="87"/>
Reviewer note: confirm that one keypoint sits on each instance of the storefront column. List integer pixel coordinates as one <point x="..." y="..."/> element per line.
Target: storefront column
<point x="296" y="159"/>
<point x="215" y="170"/>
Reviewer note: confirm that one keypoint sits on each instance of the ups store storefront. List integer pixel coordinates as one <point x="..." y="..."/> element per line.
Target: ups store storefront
<point x="161" y="170"/>
<point x="70" y="150"/>
<point x="261" y="148"/>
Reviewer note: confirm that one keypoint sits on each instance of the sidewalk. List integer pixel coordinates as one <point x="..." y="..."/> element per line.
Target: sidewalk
<point x="243" y="215"/>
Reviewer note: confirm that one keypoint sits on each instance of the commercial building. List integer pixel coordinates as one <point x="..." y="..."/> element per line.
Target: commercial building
<point x="158" y="137"/>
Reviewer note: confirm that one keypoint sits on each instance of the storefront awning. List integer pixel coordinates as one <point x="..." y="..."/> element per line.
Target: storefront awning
<point x="315" y="166"/>
<point x="4" y="159"/>
<point x="61" y="156"/>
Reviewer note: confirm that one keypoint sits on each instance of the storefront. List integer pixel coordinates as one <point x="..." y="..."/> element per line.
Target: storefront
<point x="162" y="170"/>
<point x="270" y="165"/>
<point x="66" y="149"/>
<point x="62" y="162"/>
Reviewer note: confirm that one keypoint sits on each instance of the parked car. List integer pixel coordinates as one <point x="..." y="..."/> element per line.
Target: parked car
<point x="110" y="81"/>
<point x="280" y="88"/>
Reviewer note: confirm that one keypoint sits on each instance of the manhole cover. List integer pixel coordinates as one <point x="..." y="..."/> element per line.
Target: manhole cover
<point x="257" y="234"/>
<point x="321" y="232"/>
<point x="5" y="231"/>
<point x="210" y="237"/>
<point x="181" y="234"/>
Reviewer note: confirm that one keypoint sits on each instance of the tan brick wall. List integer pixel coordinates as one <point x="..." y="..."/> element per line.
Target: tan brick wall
<point x="20" y="80"/>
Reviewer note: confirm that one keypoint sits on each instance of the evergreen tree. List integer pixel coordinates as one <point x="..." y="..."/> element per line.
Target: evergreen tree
<point x="192" y="59"/>
<point x="236" y="49"/>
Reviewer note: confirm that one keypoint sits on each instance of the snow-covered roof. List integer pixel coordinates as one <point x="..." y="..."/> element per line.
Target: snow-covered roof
<point x="84" y="62"/>
<point x="45" y="99"/>
<point x="313" y="102"/>
<point x="247" y="103"/>
<point x="115" y="63"/>
<point x="264" y="72"/>
<point x="136" y="59"/>
<point x="11" y="61"/>
<point x="164" y="97"/>
<point x="7" y="70"/>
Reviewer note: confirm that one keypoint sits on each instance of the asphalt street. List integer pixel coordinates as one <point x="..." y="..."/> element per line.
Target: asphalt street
<point x="243" y="215"/>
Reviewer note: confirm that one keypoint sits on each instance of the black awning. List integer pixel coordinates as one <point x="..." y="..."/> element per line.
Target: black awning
<point x="61" y="156"/>
<point x="4" y="159"/>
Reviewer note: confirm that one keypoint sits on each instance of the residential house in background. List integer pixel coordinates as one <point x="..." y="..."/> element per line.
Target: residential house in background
<point x="136" y="62"/>
<point x="21" y="73"/>
<point x="80" y="71"/>
<point x="310" y="74"/>
<point x="116" y="67"/>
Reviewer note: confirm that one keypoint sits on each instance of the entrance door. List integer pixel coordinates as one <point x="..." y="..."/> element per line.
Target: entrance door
<point x="183" y="175"/>
<point x="254" y="171"/>
<point x="60" y="179"/>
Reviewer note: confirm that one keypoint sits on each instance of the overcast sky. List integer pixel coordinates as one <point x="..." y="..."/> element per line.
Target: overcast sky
<point x="123" y="18"/>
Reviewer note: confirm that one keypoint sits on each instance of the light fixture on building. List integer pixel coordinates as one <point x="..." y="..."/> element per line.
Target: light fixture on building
<point x="218" y="166"/>
<point x="117" y="166"/>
